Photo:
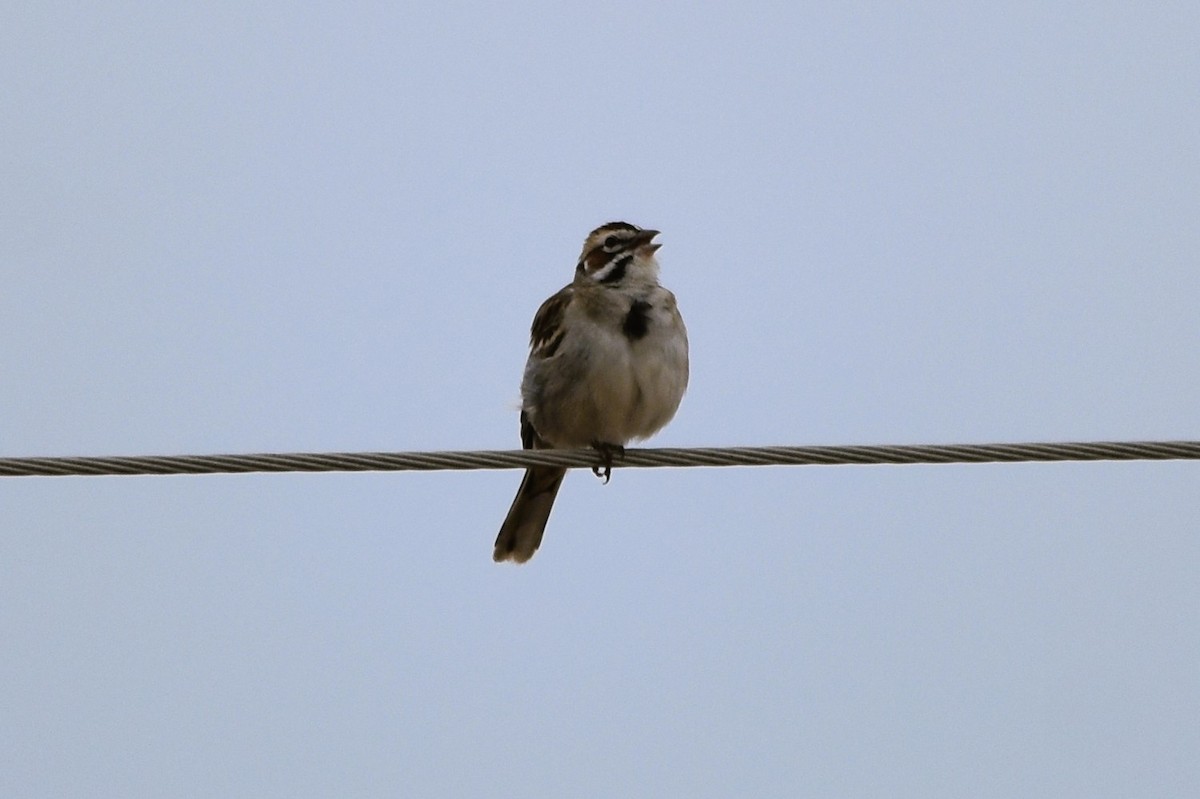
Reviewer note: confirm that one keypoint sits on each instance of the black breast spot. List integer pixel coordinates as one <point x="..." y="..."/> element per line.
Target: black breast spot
<point x="637" y="320"/>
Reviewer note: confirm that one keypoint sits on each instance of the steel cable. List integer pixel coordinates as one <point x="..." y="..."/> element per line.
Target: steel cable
<point x="577" y="458"/>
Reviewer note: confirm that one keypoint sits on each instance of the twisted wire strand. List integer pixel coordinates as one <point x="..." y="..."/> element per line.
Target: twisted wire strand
<point x="582" y="458"/>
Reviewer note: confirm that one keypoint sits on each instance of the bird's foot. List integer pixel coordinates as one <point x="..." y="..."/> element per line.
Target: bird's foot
<point x="603" y="470"/>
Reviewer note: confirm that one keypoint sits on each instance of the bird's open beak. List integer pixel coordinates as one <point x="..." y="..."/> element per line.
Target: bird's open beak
<point x="645" y="238"/>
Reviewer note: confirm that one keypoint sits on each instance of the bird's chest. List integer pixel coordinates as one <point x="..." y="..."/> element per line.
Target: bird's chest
<point x="638" y="366"/>
<point x="618" y="374"/>
<point x="627" y="336"/>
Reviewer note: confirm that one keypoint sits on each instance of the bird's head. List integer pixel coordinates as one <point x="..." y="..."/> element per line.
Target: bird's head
<point x="619" y="253"/>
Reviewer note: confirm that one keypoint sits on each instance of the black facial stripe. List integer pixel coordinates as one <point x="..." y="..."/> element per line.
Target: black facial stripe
<point x="637" y="321"/>
<point x="618" y="271"/>
<point x="603" y="249"/>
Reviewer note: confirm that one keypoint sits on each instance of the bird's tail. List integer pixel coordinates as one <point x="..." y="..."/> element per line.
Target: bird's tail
<point x="521" y="533"/>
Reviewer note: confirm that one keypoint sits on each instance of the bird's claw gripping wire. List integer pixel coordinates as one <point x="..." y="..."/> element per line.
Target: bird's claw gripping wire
<point x="603" y="470"/>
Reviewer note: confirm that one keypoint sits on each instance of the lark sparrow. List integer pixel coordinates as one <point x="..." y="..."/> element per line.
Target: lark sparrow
<point x="608" y="364"/>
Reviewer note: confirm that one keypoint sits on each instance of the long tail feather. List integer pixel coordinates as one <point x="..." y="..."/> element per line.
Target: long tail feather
<point x="521" y="533"/>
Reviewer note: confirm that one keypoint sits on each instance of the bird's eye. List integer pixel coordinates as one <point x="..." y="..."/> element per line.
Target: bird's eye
<point x="612" y="243"/>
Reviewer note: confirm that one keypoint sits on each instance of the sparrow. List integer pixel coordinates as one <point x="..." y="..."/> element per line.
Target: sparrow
<point x="608" y="364"/>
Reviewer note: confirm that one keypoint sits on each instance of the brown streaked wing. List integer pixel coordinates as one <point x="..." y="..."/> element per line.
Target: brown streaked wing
<point x="547" y="331"/>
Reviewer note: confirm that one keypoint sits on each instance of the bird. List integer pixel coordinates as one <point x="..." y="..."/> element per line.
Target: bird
<point x="608" y="364"/>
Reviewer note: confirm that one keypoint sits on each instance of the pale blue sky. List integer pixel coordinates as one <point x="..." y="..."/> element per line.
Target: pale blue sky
<point x="238" y="228"/>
